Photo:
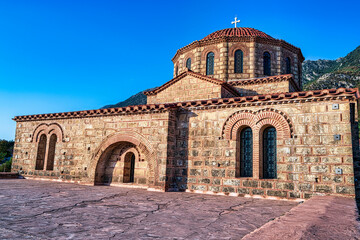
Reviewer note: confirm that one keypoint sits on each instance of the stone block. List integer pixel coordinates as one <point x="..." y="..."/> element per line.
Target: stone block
<point x="345" y="189"/>
<point x="331" y="178"/>
<point x="198" y="187"/>
<point x="331" y="160"/>
<point x="228" y="189"/>
<point x="323" y="188"/>
<point x="250" y="183"/>
<point x="303" y="151"/>
<point x="216" y="181"/>
<point x="294" y="195"/>
<point x="266" y="184"/>
<point x="305" y="186"/>
<point x="311" y="159"/>
<point x="276" y="193"/>
<point x="195" y="172"/>
<point x="231" y="182"/>
<point x="214" y="189"/>
<point x="319" y="151"/>
<point x="204" y="180"/>
<point x="285" y="186"/>
<point x="310" y="178"/>
<point x="257" y="192"/>
<point x="319" y="169"/>
<point x="243" y="190"/>
<point x="292" y="159"/>
<point x="293" y="176"/>
<point x="218" y="172"/>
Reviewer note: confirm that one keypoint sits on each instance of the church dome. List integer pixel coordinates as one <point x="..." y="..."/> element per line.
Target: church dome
<point x="237" y="32"/>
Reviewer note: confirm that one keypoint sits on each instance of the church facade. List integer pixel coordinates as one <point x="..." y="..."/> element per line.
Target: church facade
<point x="234" y="120"/>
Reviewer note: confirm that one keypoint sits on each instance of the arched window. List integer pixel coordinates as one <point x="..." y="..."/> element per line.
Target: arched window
<point x="269" y="153"/>
<point x="188" y="63"/>
<point x="267" y="64"/>
<point x="176" y="70"/>
<point x="246" y="153"/>
<point x="51" y="153"/>
<point x="238" y="59"/>
<point x="40" y="157"/>
<point x="210" y="63"/>
<point x="288" y="65"/>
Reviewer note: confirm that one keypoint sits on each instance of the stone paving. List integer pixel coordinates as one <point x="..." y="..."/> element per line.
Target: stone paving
<point x="32" y="209"/>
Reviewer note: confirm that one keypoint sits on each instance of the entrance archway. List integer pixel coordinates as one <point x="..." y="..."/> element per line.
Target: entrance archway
<point x="121" y="162"/>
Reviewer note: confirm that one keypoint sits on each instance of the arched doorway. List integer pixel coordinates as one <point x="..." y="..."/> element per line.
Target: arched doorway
<point x="121" y="162"/>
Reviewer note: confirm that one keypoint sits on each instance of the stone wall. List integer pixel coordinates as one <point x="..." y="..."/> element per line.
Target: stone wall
<point x="307" y="154"/>
<point x="85" y="142"/>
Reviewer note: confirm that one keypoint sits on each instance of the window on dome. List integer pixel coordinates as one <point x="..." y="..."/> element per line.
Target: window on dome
<point x="267" y="64"/>
<point x="246" y="153"/>
<point x="288" y="65"/>
<point x="176" y="70"/>
<point x="269" y="153"/>
<point x="238" y="61"/>
<point x="188" y="63"/>
<point x="210" y="63"/>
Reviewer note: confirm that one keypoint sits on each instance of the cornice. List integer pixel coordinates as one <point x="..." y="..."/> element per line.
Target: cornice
<point x="266" y="99"/>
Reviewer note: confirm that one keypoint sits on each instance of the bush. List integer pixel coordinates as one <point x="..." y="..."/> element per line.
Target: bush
<point x="6" y="167"/>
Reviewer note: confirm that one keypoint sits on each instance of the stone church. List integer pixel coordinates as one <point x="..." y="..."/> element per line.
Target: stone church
<point x="234" y="120"/>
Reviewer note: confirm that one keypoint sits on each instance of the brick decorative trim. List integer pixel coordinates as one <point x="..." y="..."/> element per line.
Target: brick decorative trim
<point x="234" y="48"/>
<point x="266" y="99"/>
<point x="48" y="129"/>
<point x="256" y="120"/>
<point x="209" y="49"/>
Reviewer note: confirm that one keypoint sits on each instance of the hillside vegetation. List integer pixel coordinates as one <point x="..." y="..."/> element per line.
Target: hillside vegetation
<point x="326" y="74"/>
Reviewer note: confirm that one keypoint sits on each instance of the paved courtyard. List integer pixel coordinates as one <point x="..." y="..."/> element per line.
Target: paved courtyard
<point x="32" y="209"/>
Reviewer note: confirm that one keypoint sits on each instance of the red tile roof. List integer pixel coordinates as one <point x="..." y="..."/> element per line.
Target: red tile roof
<point x="197" y="75"/>
<point x="277" y="78"/>
<point x="354" y="92"/>
<point x="237" y="32"/>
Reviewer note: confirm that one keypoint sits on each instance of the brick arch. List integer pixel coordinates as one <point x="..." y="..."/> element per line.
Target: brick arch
<point x="186" y="57"/>
<point x="48" y="129"/>
<point x="277" y="118"/>
<point x="208" y="49"/>
<point x="142" y="145"/>
<point x="256" y="120"/>
<point x="236" y="47"/>
<point x="235" y="121"/>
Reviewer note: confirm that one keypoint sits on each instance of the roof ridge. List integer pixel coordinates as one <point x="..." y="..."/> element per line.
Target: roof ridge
<point x="194" y="103"/>
<point x="180" y="76"/>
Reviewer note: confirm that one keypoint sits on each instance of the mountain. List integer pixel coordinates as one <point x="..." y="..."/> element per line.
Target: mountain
<point x="319" y="74"/>
<point x="137" y="99"/>
<point x="325" y="74"/>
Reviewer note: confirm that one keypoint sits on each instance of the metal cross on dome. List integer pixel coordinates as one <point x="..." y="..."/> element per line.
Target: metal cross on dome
<point x="236" y="21"/>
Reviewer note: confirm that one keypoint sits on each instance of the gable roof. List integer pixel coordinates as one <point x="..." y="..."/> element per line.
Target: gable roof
<point x="270" y="79"/>
<point x="196" y="75"/>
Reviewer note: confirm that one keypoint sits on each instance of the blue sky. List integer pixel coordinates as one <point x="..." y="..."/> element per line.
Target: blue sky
<point x="65" y="55"/>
